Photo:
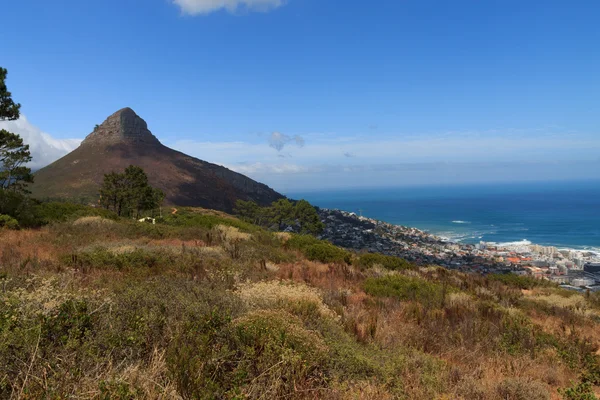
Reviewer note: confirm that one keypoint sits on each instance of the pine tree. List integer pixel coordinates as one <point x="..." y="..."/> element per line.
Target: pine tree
<point x="128" y="193"/>
<point x="14" y="154"/>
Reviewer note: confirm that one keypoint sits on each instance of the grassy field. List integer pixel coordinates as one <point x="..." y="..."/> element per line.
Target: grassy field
<point x="204" y="306"/>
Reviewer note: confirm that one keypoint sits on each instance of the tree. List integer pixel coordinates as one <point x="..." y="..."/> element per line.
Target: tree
<point x="14" y="154"/>
<point x="308" y="217"/>
<point x="300" y="215"/>
<point x="128" y="193"/>
<point x="9" y="110"/>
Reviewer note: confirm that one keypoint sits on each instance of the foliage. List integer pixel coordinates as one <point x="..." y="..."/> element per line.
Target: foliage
<point x="389" y="262"/>
<point x="301" y="242"/>
<point x="407" y="288"/>
<point x="8" y="222"/>
<point x="520" y="282"/>
<point x="20" y="207"/>
<point x="128" y="193"/>
<point x="9" y="110"/>
<point x="207" y="306"/>
<point x="299" y="215"/>
<point x="14" y="154"/>
<point x="579" y="391"/>
<point x="327" y="253"/>
<point x="61" y="212"/>
<point x="191" y="218"/>
<point x="519" y="389"/>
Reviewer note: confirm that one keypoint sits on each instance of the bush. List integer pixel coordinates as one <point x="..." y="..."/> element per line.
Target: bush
<point x="519" y="389"/>
<point x="407" y="288"/>
<point x="103" y="258"/>
<point x="389" y="262"/>
<point x="301" y="242"/>
<point x="519" y="282"/>
<point x="8" y="222"/>
<point x="47" y="213"/>
<point x="264" y="354"/>
<point x="580" y="391"/>
<point x="192" y="218"/>
<point x="327" y="253"/>
<point x="318" y="250"/>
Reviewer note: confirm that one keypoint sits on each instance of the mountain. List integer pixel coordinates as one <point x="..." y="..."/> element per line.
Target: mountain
<point x="123" y="140"/>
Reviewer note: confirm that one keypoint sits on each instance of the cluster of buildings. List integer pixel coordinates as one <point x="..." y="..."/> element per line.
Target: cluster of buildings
<point x="575" y="269"/>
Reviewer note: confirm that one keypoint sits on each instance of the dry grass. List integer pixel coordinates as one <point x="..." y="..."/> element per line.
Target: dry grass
<point x="92" y="222"/>
<point x="231" y="234"/>
<point x="275" y="294"/>
<point x="367" y="346"/>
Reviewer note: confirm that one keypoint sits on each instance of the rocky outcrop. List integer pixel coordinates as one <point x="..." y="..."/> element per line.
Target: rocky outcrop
<point x="123" y="126"/>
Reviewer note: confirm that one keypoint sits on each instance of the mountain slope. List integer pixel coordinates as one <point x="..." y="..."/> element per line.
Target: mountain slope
<point x="124" y="139"/>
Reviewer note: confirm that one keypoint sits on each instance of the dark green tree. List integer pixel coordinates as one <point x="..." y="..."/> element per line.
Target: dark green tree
<point x="128" y="193"/>
<point x="14" y="154"/>
<point x="9" y="110"/>
<point x="308" y="218"/>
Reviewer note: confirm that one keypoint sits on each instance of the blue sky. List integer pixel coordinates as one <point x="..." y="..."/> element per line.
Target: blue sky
<point x="309" y="94"/>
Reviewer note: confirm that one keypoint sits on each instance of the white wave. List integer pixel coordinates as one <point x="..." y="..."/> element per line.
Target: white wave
<point x="460" y="222"/>
<point x="523" y="242"/>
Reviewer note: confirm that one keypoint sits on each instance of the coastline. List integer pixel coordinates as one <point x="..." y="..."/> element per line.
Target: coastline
<point x="346" y="229"/>
<point x="556" y="214"/>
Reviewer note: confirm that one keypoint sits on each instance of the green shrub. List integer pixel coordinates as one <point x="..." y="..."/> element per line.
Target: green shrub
<point x="301" y="242"/>
<point x="47" y="213"/>
<point x="189" y="218"/>
<point x="520" y="282"/>
<point x="327" y="253"/>
<point x="518" y="334"/>
<point x="389" y="262"/>
<point x="8" y="222"/>
<point x="407" y="288"/>
<point x="70" y="323"/>
<point x="277" y="353"/>
<point x="579" y="391"/>
<point x="104" y="258"/>
<point x="264" y="353"/>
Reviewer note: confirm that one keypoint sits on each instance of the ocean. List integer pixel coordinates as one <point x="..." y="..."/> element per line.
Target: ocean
<point x="561" y="214"/>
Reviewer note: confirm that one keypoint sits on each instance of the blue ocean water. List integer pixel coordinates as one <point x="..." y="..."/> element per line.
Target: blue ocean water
<point x="562" y="214"/>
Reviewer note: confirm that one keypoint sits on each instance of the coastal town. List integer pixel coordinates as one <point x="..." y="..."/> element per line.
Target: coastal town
<point x="573" y="269"/>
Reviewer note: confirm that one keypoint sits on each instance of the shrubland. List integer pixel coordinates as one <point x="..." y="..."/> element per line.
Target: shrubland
<point x="202" y="305"/>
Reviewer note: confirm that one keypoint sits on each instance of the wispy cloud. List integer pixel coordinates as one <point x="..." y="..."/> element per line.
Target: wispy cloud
<point x="44" y="148"/>
<point x="279" y="140"/>
<point x="338" y="161"/>
<point x="201" y="7"/>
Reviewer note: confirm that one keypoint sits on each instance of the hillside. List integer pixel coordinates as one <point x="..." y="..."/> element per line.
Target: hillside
<point x="123" y="140"/>
<point x="203" y="305"/>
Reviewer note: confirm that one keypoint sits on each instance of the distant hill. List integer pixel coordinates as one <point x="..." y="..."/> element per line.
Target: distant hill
<point x="124" y="139"/>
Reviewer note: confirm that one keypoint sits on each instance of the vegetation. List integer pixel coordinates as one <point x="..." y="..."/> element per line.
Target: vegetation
<point x="203" y="305"/>
<point x="128" y="193"/>
<point x="300" y="215"/>
<point x="14" y="154"/>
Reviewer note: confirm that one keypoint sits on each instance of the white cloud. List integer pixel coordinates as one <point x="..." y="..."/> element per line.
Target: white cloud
<point x="264" y="168"/>
<point x="44" y="148"/>
<point x="344" y="161"/>
<point x="198" y="7"/>
<point x="278" y="140"/>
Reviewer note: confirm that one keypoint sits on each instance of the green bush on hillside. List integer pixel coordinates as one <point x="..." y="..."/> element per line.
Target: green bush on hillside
<point x="47" y="213"/>
<point x="8" y="222"/>
<point x="301" y="242"/>
<point x="186" y="218"/>
<point x="520" y="282"/>
<point x="327" y="253"/>
<point x="389" y="262"/>
<point x="407" y="288"/>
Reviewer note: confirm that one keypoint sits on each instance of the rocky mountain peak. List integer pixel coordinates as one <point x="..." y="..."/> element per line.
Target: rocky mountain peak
<point x="124" y="126"/>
